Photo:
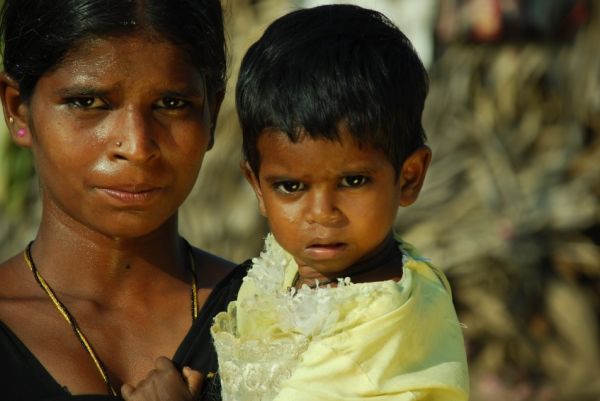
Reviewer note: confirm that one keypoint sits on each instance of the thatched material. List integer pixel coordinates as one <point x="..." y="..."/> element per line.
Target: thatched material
<point x="512" y="211"/>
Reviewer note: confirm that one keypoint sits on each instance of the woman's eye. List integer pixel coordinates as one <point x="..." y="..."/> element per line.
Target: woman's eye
<point x="354" y="181"/>
<point x="86" y="102"/>
<point x="289" y="187"/>
<point x="171" y="103"/>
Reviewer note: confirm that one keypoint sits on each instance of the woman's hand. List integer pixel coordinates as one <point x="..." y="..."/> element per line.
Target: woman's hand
<point x="165" y="383"/>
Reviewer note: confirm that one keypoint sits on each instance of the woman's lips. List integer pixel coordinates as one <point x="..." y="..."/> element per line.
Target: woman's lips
<point x="137" y="195"/>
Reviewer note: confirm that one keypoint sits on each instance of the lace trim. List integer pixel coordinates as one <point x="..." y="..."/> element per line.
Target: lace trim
<point x="255" y="362"/>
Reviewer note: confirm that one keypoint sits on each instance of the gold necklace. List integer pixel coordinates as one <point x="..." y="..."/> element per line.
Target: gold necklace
<point x="62" y="309"/>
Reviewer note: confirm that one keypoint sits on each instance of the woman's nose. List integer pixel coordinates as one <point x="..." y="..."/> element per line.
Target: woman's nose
<point x="134" y="137"/>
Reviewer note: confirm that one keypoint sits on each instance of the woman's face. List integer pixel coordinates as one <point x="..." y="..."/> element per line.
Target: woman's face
<point x="119" y="131"/>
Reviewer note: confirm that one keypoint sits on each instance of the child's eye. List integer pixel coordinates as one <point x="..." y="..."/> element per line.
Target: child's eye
<point x="353" y="181"/>
<point x="171" y="103"/>
<point x="288" y="187"/>
<point x="86" y="102"/>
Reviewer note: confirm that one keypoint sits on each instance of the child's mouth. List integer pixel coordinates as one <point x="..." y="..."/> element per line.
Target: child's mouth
<point x="325" y="250"/>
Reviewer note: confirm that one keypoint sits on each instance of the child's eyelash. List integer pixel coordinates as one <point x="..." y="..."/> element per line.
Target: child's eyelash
<point x="288" y="187"/>
<point x="354" y="181"/>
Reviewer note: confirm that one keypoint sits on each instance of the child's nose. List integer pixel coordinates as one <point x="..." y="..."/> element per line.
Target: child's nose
<point x="323" y="209"/>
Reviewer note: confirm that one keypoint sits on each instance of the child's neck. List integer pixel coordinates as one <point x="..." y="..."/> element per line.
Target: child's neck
<point x="385" y="263"/>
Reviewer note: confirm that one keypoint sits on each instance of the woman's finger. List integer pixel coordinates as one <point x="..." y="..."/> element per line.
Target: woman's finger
<point x="194" y="380"/>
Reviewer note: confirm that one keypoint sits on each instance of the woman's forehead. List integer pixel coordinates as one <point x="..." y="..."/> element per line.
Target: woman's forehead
<point x="104" y="46"/>
<point x="122" y="62"/>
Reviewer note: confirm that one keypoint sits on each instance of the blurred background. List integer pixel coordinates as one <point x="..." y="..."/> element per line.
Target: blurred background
<point x="510" y="210"/>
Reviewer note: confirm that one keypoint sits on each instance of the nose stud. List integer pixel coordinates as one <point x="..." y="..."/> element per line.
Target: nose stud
<point x="119" y="143"/>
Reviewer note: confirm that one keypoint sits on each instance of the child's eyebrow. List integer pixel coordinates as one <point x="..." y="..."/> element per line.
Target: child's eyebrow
<point x="277" y="178"/>
<point x="358" y="171"/>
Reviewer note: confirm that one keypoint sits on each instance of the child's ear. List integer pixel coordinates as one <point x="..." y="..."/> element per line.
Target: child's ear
<point x="413" y="174"/>
<point x="255" y="184"/>
<point x="15" y="111"/>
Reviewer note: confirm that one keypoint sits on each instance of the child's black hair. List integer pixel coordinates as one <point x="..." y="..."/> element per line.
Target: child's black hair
<point x="317" y="68"/>
<point x="38" y="34"/>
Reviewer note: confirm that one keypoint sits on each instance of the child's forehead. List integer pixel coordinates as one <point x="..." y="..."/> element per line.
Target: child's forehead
<point x="342" y="135"/>
<point x="342" y="150"/>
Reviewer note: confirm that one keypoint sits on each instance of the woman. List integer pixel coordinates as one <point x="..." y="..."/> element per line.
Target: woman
<point x="117" y="100"/>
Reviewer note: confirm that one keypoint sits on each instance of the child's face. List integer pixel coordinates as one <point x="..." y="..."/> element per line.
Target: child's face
<point x="331" y="203"/>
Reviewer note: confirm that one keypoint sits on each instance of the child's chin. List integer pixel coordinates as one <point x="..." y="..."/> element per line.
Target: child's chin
<point x="329" y="267"/>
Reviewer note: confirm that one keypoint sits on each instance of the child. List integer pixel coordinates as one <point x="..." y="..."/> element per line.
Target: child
<point x="337" y="307"/>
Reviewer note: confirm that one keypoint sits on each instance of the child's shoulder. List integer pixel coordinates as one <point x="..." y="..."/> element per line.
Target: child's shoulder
<point x="414" y="260"/>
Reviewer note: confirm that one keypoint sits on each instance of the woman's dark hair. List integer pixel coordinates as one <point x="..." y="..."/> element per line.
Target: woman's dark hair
<point x="317" y="68"/>
<point x="38" y="34"/>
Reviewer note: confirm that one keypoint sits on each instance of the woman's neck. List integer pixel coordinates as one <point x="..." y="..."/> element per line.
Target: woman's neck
<point x="84" y="263"/>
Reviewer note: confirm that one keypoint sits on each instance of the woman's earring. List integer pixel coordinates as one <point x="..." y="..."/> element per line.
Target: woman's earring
<point x="21" y="132"/>
<point x="11" y="120"/>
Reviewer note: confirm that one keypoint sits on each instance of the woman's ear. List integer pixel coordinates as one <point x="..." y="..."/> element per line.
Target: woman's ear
<point x="412" y="175"/>
<point x="255" y="184"/>
<point x="15" y="111"/>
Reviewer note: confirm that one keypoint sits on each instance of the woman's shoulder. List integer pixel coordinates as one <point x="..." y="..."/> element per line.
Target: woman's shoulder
<point x="217" y="272"/>
<point x="13" y="286"/>
<point x="211" y="269"/>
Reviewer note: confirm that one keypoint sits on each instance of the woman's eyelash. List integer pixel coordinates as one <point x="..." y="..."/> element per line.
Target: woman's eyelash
<point x="172" y="103"/>
<point x="93" y="102"/>
<point x="86" y="102"/>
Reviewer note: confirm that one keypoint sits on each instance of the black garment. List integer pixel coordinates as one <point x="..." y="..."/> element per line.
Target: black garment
<point x="23" y="378"/>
